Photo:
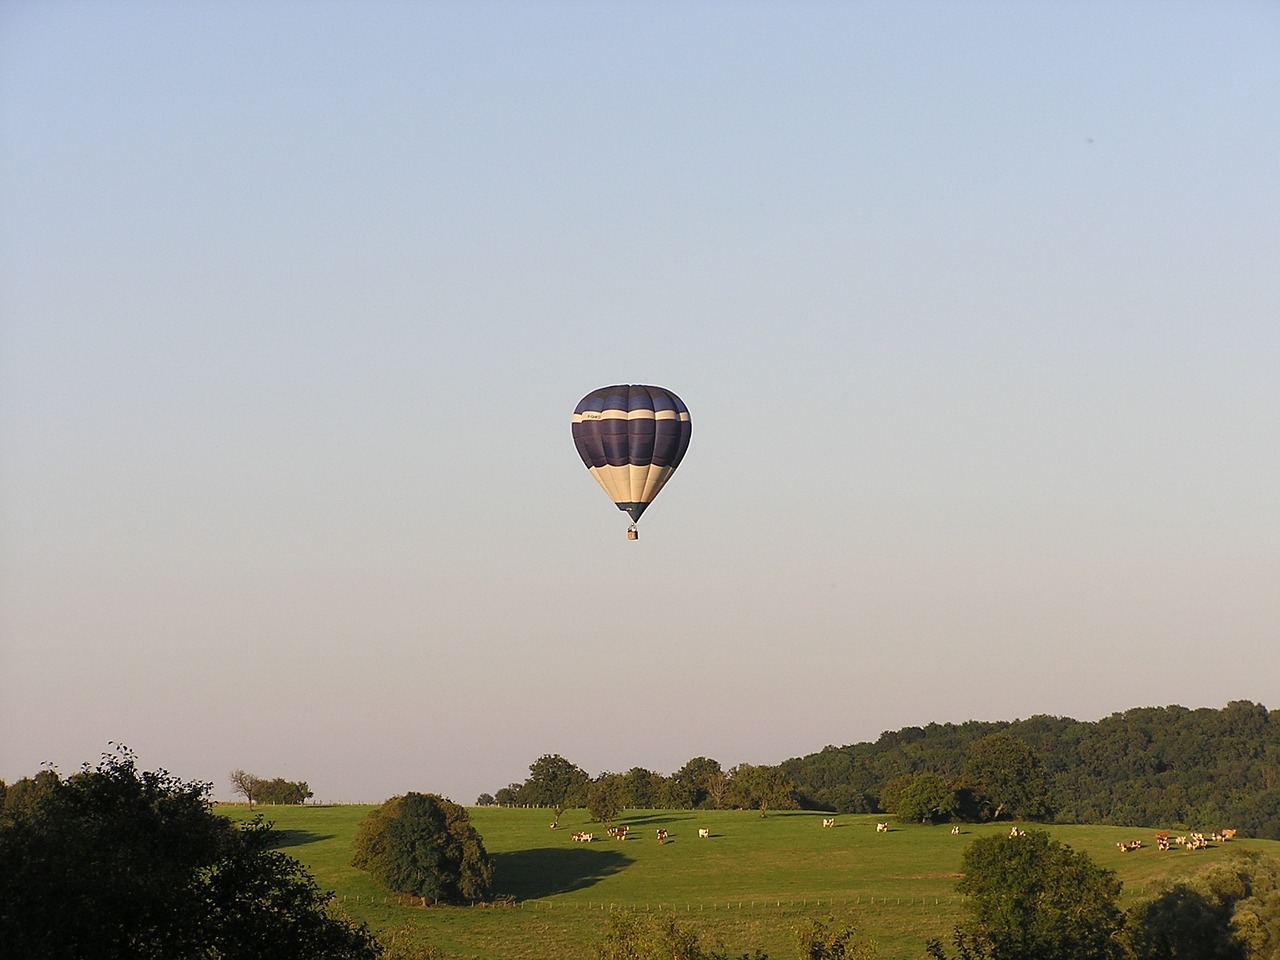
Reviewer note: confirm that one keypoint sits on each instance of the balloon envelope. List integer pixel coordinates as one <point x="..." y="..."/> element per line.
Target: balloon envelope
<point x="631" y="438"/>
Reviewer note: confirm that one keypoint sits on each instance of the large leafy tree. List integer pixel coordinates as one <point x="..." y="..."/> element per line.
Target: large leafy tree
<point x="1230" y="911"/>
<point x="687" y="787"/>
<point x="607" y="797"/>
<point x="114" y="862"/>
<point x="926" y="798"/>
<point x="1182" y="921"/>
<point x="424" y="845"/>
<point x="1033" y="898"/>
<point x="761" y="788"/>
<point x="643" y="788"/>
<point x="279" y="790"/>
<point x="1256" y="918"/>
<point x="20" y="798"/>
<point x="1005" y="774"/>
<point x="554" y="782"/>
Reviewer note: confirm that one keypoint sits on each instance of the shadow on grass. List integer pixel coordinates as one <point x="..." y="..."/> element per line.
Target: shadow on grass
<point x="297" y="838"/>
<point x="531" y="874"/>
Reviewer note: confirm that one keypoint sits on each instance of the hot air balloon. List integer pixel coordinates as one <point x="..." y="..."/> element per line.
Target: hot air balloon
<point x="631" y="438"/>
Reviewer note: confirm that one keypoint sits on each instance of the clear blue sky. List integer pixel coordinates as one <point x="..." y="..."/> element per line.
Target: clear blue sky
<point x="976" y="307"/>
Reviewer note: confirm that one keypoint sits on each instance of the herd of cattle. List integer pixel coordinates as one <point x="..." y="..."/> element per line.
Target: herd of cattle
<point x="1192" y="841"/>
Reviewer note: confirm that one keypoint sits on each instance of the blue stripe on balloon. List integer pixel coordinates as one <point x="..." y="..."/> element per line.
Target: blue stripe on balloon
<point x="636" y="441"/>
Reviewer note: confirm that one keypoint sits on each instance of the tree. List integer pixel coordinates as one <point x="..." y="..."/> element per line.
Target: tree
<point x="717" y="787"/>
<point x="606" y="797"/>
<point x="246" y="785"/>
<point x="424" y="845"/>
<point x="643" y="788"/>
<point x="1182" y="921"/>
<point x="830" y="940"/>
<point x="634" y="937"/>
<point x="761" y="788"/>
<point x="892" y="792"/>
<point x="1229" y="912"/>
<point x="1256" y="918"/>
<point x="508" y="796"/>
<point x="278" y="790"/>
<point x="114" y="862"/>
<point x="1006" y="773"/>
<point x="686" y="789"/>
<point x="554" y="782"/>
<point x="926" y="798"/>
<point x="21" y="796"/>
<point x="1032" y="898"/>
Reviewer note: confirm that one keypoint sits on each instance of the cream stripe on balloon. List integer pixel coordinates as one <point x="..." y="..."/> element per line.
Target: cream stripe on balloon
<point x="630" y="415"/>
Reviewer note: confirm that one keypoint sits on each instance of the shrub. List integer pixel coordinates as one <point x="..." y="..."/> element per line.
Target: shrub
<point x="424" y="845"/>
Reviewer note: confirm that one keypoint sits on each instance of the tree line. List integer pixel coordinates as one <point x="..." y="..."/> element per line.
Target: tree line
<point x="559" y="784"/>
<point x="277" y="790"/>
<point x="1148" y="766"/>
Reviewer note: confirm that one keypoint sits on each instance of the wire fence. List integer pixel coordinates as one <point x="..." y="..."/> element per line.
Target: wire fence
<point x="671" y="906"/>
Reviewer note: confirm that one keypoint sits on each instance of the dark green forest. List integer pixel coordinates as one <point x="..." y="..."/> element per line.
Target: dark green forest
<point x="1148" y="766"/>
<point x="1165" y="767"/>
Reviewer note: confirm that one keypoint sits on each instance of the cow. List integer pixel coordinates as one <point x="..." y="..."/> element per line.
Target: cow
<point x="955" y="828"/>
<point x="882" y="828"/>
<point x="828" y="821"/>
<point x="704" y="833"/>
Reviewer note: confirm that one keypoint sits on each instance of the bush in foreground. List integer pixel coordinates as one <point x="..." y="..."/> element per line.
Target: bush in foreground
<point x="1033" y="897"/>
<point x="114" y="862"/>
<point x="632" y="937"/>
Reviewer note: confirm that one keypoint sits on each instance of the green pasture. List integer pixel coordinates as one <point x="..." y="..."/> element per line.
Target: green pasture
<point x="743" y="888"/>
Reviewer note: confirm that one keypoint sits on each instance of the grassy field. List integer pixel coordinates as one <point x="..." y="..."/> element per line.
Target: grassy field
<point x="743" y="888"/>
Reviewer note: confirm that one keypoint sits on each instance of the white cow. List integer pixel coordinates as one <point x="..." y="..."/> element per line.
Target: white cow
<point x="882" y="828"/>
<point x="704" y="833"/>
<point x="828" y="821"/>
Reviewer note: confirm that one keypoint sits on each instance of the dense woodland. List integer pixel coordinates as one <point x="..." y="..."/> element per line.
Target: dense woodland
<point x="1149" y="766"/>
